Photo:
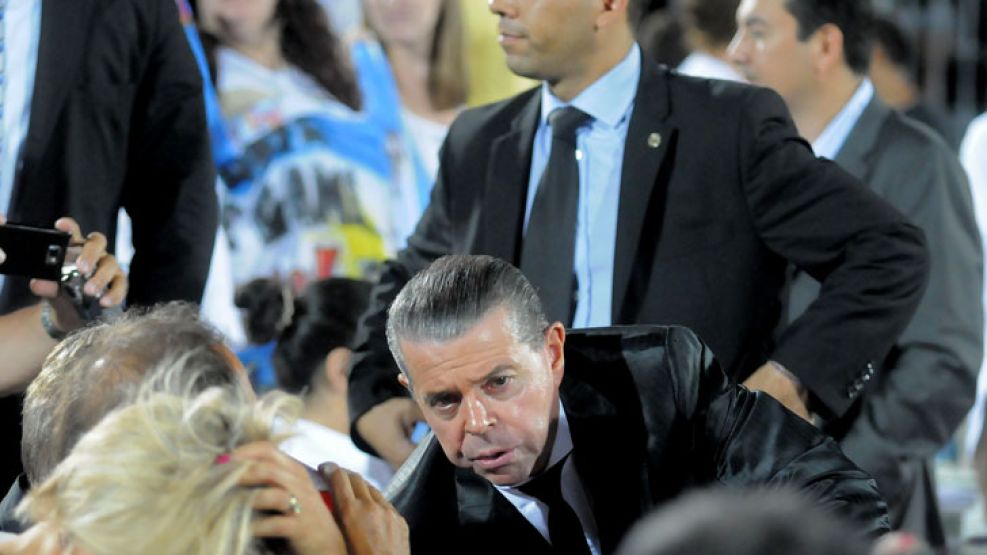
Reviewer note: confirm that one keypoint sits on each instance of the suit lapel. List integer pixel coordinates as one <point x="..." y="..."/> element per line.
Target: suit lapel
<point x="64" y="27"/>
<point x="507" y="185"/>
<point x="614" y="484"/>
<point x="648" y="138"/>
<point x="483" y="511"/>
<point x="855" y="154"/>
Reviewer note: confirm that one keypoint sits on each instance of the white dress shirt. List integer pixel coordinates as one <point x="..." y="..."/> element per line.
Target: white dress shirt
<point x="536" y="512"/>
<point x="21" y="31"/>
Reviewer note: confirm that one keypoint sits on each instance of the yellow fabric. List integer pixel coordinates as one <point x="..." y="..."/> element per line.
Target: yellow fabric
<point x="490" y="80"/>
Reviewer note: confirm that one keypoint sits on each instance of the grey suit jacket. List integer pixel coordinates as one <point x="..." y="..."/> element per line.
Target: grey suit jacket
<point x="910" y="408"/>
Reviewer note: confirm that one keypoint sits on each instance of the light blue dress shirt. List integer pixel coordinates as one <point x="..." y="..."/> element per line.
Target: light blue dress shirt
<point x="600" y="155"/>
<point x="830" y="141"/>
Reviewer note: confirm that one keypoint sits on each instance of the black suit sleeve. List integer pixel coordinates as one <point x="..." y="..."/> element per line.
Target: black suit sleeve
<point x="745" y="438"/>
<point x="170" y="182"/>
<point x="872" y="264"/>
<point x="373" y="376"/>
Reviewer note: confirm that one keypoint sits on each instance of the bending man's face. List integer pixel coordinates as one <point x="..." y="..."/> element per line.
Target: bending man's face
<point x="490" y="399"/>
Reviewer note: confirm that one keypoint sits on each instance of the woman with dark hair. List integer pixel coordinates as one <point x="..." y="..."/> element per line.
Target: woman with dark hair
<point x="309" y="171"/>
<point x="313" y="335"/>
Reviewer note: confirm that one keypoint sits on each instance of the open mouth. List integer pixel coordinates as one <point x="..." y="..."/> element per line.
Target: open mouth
<point x="493" y="459"/>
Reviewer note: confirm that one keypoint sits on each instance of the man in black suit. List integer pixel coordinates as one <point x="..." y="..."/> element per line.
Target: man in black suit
<point x="117" y="120"/>
<point x="110" y="115"/>
<point x="717" y="194"/>
<point x="552" y="443"/>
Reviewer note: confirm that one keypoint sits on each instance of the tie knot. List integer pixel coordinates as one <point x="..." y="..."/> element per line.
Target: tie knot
<point x="565" y="122"/>
<point x="547" y="486"/>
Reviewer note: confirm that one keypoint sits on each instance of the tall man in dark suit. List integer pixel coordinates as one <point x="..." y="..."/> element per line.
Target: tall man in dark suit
<point x="548" y="442"/>
<point x="815" y="54"/>
<point x="102" y="109"/>
<point x="693" y="196"/>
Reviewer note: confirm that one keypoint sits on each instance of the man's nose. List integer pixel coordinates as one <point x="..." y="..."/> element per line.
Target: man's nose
<point x="478" y="419"/>
<point x="504" y="8"/>
<point x="736" y="49"/>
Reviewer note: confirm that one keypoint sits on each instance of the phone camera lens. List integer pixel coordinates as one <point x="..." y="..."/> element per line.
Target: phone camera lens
<point x="54" y="255"/>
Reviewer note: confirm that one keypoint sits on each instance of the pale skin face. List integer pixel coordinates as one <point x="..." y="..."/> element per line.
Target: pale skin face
<point x="246" y="22"/>
<point x="403" y="23"/>
<point x="491" y="400"/>
<point x="767" y="51"/>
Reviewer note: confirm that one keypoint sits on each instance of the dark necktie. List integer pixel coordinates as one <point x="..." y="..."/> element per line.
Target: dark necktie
<point x="564" y="529"/>
<point x="549" y="246"/>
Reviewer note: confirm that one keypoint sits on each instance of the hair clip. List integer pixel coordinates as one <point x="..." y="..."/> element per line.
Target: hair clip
<point x="223" y="458"/>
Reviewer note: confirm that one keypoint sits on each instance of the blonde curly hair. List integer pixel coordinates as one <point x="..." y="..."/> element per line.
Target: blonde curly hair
<point x="145" y="479"/>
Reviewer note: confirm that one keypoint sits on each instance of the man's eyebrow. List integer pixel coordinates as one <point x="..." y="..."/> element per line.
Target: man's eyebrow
<point x="755" y="20"/>
<point x="496" y="370"/>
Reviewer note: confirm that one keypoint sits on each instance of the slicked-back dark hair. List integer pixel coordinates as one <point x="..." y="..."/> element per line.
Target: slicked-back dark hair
<point x="854" y="18"/>
<point x="445" y="300"/>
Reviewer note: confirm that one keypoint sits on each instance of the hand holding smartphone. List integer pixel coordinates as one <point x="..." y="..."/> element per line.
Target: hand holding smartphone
<point x="33" y="252"/>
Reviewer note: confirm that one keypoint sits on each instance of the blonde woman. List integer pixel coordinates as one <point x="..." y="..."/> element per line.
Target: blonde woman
<point x="184" y="474"/>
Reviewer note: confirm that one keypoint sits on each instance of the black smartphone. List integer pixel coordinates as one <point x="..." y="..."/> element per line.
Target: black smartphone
<point x="33" y="252"/>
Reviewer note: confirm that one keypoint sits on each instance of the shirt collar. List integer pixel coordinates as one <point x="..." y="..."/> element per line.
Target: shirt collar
<point x="831" y="140"/>
<point x="608" y="99"/>
<point x="561" y="447"/>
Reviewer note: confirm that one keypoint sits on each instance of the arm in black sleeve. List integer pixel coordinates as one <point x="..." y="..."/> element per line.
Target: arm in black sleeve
<point x="170" y="182"/>
<point x="871" y="261"/>
<point x="746" y="438"/>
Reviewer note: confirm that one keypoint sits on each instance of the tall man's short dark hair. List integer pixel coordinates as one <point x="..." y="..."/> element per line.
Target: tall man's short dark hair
<point x="445" y="300"/>
<point x="853" y="17"/>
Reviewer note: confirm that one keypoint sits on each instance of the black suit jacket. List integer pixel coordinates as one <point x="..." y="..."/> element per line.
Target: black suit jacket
<point x="118" y="119"/>
<point x="651" y="414"/>
<point x="706" y="223"/>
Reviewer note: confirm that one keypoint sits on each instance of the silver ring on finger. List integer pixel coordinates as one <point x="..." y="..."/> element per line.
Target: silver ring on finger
<point x="294" y="505"/>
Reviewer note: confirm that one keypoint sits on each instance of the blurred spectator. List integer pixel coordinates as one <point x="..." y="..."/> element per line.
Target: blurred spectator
<point x="892" y="70"/>
<point x="661" y="38"/>
<point x="743" y="522"/>
<point x="708" y="26"/>
<point x="314" y="334"/>
<point x="180" y="471"/>
<point x="424" y="41"/>
<point x="311" y="188"/>
<point x="29" y="334"/>
<point x="98" y="369"/>
<point x="815" y="54"/>
<point x="973" y="155"/>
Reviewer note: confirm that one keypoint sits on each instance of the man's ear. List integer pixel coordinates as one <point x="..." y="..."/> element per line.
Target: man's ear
<point x="403" y="380"/>
<point x="555" y="348"/>
<point x="614" y="11"/>
<point x="827" y="49"/>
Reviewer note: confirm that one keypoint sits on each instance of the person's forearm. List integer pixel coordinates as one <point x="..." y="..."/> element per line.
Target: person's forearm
<point x="24" y="344"/>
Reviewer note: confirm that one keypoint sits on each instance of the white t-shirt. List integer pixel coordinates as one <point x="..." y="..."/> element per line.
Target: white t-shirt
<point x="314" y="444"/>
<point x="318" y="193"/>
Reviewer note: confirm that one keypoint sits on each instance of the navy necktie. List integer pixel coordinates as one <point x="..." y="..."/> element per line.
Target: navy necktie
<point x="564" y="529"/>
<point x="549" y="246"/>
